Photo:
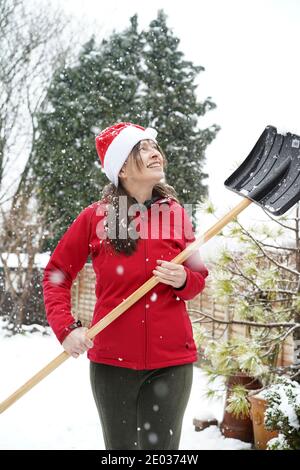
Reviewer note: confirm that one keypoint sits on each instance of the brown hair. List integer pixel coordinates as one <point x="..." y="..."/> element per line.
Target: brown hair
<point x="111" y="195"/>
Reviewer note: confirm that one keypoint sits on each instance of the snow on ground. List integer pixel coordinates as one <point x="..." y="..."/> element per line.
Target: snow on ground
<point x="59" y="412"/>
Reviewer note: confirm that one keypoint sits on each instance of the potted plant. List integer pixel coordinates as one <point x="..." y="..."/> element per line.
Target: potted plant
<point x="262" y="435"/>
<point x="256" y="289"/>
<point x="245" y="364"/>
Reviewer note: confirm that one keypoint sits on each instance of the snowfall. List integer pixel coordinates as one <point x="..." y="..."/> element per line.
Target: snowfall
<point x="59" y="412"/>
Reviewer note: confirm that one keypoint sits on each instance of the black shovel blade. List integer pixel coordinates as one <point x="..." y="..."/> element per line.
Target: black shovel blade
<point x="270" y="175"/>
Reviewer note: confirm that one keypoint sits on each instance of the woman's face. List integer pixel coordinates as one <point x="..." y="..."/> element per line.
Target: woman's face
<point x="151" y="168"/>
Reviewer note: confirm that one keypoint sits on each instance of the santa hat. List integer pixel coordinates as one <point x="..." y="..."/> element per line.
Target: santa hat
<point x="115" y="143"/>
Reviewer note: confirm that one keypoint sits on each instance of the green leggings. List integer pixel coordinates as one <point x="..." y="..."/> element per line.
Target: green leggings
<point x="141" y="409"/>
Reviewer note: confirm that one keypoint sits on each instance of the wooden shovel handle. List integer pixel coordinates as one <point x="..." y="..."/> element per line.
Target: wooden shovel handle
<point x="123" y="306"/>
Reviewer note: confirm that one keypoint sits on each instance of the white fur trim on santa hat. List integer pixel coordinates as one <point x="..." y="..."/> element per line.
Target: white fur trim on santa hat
<point x="120" y="148"/>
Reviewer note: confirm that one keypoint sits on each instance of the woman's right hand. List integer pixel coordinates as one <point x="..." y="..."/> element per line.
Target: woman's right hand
<point x="77" y="342"/>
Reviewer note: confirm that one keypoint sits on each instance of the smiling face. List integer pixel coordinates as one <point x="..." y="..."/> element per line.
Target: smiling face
<point x="145" y="165"/>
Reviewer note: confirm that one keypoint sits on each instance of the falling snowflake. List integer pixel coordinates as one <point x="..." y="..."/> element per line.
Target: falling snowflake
<point x="147" y="426"/>
<point x="161" y="389"/>
<point x="153" y="438"/>
<point x="120" y="270"/>
<point x="153" y="297"/>
<point x="56" y="277"/>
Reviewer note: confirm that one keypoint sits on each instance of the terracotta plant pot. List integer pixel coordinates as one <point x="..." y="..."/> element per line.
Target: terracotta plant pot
<point x="261" y="434"/>
<point x="241" y="427"/>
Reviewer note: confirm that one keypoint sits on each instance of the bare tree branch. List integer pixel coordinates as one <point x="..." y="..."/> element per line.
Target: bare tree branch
<point x="243" y="322"/>
<point x="259" y="245"/>
<point x="278" y="221"/>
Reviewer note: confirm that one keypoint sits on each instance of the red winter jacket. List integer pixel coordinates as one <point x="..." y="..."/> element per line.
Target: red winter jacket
<point x="154" y="332"/>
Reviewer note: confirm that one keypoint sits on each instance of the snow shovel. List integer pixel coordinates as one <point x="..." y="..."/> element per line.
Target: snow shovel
<point x="269" y="177"/>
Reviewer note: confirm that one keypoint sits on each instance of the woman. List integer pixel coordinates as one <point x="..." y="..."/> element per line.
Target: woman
<point x="141" y="364"/>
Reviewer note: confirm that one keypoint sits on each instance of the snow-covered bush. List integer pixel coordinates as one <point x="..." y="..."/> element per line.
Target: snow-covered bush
<point x="283" y="414"/>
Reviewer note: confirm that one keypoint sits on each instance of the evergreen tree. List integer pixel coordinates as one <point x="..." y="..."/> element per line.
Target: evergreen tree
<point x="170" y="105"/>
<point x="131" y="76"/>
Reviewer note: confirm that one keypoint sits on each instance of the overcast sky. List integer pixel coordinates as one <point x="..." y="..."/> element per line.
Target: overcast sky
<point x="250" y="51"/>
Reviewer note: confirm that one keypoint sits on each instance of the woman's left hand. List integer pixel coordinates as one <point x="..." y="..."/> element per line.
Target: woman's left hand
<point x="170" y="273"/>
